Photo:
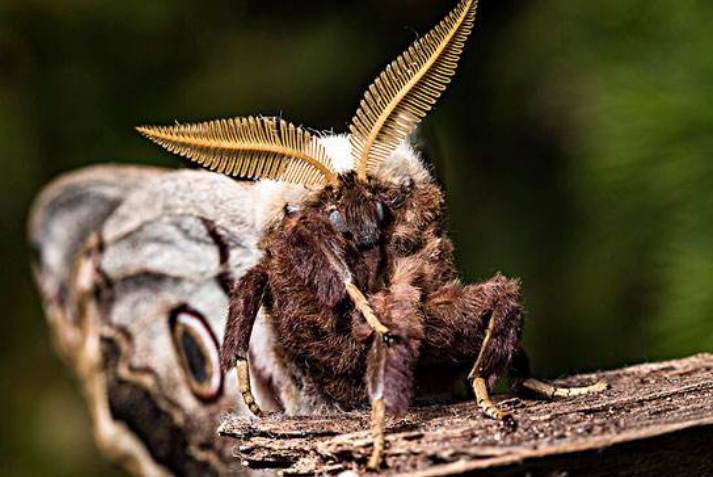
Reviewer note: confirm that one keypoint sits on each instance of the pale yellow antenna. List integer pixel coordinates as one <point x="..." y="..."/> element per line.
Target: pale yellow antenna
<point x="407" y="89"/>
<point x="249" y="148"/>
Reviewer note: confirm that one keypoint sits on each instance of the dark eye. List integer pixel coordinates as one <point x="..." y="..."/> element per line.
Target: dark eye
<point x="197" y="349"/>
<point x="338" y="221"/>
<point x="380" y="211"/>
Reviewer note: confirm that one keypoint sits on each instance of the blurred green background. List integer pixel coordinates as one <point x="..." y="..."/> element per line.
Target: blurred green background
<point x="575" y="148"/>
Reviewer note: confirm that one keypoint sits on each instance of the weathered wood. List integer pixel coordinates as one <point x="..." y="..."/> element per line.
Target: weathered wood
<point x="657" y="419"/>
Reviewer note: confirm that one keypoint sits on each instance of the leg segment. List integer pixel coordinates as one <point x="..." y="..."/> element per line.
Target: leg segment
<point x="480" y="388"/>
<point x="378" y="419"/>
<point x="552" y="392"/>
<point x="375" y="382"/>
<point x="243" y="369"/>
<point x="362" y="305"/>
<point x="520" y="372"/>
<point x="483" y="399"/>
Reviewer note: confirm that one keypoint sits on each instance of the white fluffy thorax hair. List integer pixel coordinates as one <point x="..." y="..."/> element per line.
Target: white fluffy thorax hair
<point x="404" y="166"/>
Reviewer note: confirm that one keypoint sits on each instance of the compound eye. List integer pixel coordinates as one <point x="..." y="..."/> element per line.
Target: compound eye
<point x="338" y="221"/>
<point x="197" y="349"/>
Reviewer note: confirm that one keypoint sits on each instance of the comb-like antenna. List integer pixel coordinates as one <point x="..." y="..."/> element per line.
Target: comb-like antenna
<point x="407" y="89"/>
<point x="250" y="148"/>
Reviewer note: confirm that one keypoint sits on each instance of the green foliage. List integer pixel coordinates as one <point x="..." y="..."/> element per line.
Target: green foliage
<point x="636" y="78"/>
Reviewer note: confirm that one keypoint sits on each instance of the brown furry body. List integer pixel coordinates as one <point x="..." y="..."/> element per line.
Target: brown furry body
<point x="391" y="241"/>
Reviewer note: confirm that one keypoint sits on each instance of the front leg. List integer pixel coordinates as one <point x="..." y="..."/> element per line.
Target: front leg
<point x="245" y="301"/>
<point x="391" y="362"/>
<point x="314" y="252"/>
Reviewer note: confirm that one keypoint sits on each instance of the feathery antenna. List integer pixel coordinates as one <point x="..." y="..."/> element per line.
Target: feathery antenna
<point x="249" y="148"/>
<point x="407" y="89"/>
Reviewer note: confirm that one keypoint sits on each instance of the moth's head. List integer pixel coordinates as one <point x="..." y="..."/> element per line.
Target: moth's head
<point x="361" y="209"/>
<point x="356" y="209"/>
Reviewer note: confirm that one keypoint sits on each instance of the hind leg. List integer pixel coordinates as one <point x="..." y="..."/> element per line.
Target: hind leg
<point x="520" y="373"/>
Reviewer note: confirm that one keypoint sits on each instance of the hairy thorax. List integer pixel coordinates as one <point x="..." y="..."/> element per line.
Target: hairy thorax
<point x="321" y="341"/>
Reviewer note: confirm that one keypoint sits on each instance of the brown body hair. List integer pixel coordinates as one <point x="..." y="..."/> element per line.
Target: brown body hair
<point x="403" y="261"/>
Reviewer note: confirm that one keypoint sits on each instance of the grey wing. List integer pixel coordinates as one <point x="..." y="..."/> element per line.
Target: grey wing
<point x="66" y="213"/>
<point x="134" y="265"/>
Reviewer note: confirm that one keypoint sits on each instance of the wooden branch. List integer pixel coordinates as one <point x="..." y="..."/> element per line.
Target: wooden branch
<point x="657" y="419"/>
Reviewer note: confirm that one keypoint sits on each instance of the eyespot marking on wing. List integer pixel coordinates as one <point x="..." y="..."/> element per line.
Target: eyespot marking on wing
<point x="197" y="348"/>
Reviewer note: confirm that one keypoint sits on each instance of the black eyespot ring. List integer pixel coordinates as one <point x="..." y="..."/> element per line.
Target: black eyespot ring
<point x="197" y="349"/>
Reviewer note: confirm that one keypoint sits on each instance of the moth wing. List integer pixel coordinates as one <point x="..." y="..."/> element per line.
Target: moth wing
<point x="134" y="265"/>
<point x="66" y="213"/>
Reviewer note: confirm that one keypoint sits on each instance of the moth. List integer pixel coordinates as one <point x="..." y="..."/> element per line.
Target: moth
<point x="322" y="282"/>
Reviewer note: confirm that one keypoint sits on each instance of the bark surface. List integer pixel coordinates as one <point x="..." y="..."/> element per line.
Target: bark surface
<point x="657" y="419"/>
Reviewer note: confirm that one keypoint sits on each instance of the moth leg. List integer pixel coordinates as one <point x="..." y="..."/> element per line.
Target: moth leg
<point x="479" y="324"/>
<point x="375" y="375"/>
<point x="551" y="392"/>
<point x="245" y="301"/>
<point x="486" y="405"/>
<point x="522" y="380"/>
<point x="362" y="305"/>
<point x="243" y="369"/>
<point x="480" y="387"/>
<point x="392" y="358"/>
<point x="378" y="424"/>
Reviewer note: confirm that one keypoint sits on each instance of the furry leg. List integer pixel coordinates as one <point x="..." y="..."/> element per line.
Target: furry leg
<point x="391" y="363"/>
<point x="480" y="387"/>
<point x="479" y="324"/>
<point x="245" y="300"/>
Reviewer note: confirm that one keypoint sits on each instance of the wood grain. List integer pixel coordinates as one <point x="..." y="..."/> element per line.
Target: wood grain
<point x="657" y="419"/>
